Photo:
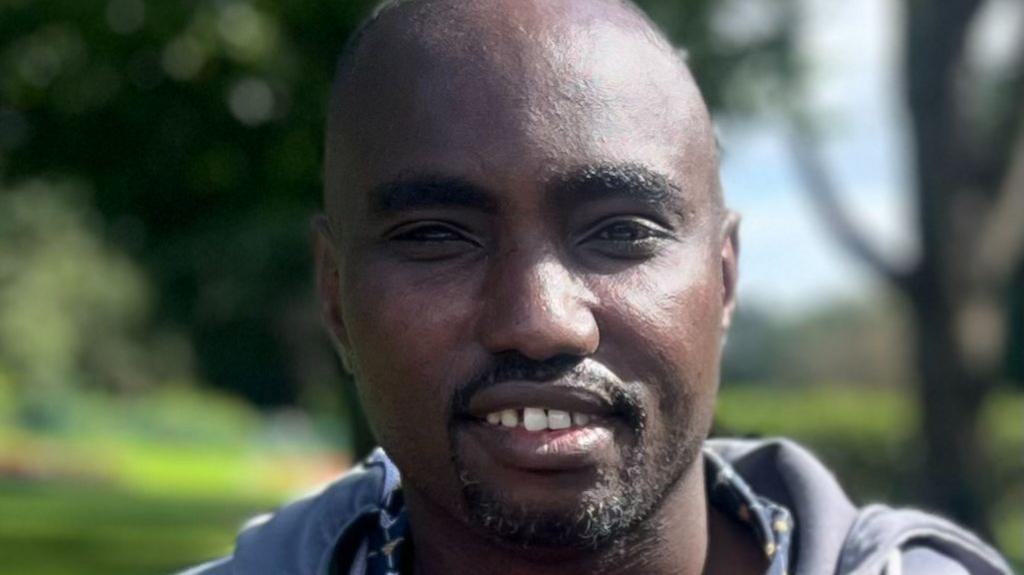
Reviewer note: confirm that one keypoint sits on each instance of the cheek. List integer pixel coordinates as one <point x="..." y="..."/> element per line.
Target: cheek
<point x="662" y="323"/>
<point x="407" y="350"/>
<point x="396" y="325"/>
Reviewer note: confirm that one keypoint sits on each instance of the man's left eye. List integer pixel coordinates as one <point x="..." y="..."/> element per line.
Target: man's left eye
<point x="632" y="238"/>
<point x="624" y="232"/>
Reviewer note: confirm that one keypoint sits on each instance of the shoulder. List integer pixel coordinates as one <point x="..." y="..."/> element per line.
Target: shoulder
<point x="912" y="542"/>
<point x="832" y="535"/>
<point x="789" y="475"/>
<point x="301" y="537"/>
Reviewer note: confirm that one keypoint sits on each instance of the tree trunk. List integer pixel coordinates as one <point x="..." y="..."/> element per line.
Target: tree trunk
<point x="953" y="477"/>
<point x="950" y="391"/>
<point x="971" y="245"/>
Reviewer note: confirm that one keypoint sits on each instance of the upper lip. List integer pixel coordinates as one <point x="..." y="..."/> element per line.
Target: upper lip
<point x="548" y="395"/>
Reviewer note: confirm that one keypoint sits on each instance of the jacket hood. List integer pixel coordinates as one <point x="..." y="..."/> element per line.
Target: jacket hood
<point x="832" y="536"/>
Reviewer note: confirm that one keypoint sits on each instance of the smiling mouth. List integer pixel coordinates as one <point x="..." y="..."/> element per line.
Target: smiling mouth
<point x="542" y="426"/>
<point x="542" y="450"/>
<point x="539" y="418"/>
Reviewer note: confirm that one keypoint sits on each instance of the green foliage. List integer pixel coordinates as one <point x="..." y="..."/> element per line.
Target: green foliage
<point x="864" y="341"/>
<point x="169" y="441"/>
<point x="199" y="126"/>
<point x="1015" y="347"/>
<point x="147" y="482"/>
<point x="74" y="311"/>
<point x="51" y="529"/>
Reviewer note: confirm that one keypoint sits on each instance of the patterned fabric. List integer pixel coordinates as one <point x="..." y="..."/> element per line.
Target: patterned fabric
<point x="771" y="523"/>
<point x="387" y="549"/>
<point x="388" y="542"/>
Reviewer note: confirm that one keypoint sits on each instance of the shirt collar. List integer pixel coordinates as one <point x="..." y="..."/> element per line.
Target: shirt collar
<point x="387" y="546"/>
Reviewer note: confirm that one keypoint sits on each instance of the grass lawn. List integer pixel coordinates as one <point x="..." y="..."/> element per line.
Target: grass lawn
<point x="53" y="528"/>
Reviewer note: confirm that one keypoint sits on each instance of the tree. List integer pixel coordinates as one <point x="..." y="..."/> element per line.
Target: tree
<point x="969" y="154"/>
<point x="197" y="125"/>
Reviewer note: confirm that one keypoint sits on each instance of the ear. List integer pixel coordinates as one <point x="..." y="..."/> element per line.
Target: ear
<point x="730" y="240"/>
<point x="328" y="286"/>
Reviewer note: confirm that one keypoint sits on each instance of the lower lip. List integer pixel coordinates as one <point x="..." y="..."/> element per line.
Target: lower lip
<point x="548" y="450"/>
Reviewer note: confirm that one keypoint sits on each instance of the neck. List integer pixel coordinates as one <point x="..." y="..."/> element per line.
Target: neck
<point x="674" y="540"/>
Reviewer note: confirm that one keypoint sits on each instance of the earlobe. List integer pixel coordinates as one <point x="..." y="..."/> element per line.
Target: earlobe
<point x="730" y="266"/>
<point x="328" y="284"/>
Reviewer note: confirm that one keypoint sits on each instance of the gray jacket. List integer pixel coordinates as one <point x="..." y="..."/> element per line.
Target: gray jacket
<point x="831" y="536"/>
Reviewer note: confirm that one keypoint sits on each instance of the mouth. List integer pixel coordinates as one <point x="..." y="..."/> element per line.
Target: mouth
<point x="541" y="427"/>
<point x="539" y="418"/>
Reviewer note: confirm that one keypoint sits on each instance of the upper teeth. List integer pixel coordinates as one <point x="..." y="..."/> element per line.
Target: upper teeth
<point x="537" y="418"/>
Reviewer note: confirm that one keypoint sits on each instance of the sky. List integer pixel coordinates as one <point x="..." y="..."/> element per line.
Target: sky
<point x="789" y="260"/>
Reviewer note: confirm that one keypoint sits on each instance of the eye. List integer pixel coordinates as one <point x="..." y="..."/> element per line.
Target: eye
<point x="428" y="241"/>
<point x="428" y="233"/>
<point x="626" y="238"/>
<point x="624" y="232"/>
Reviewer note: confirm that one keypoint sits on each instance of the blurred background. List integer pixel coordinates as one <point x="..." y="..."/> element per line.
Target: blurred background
<point x="163" y="373"/>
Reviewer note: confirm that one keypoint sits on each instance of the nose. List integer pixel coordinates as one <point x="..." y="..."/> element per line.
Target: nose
<point x="535" y="306"/>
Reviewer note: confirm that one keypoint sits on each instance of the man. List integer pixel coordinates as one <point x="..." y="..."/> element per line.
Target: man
<point x="527" y="264"/>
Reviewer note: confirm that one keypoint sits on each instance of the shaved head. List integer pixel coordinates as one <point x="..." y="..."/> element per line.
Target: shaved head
<point x="542" y="57"/>
<point x="525" y="192"/>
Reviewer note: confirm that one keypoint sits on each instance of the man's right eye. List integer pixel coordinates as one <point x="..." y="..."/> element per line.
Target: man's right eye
<point x="428" y="233"/>
<point x="427" y="242"/>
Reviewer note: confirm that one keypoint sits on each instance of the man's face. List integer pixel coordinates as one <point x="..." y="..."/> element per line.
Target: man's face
<point x="526" y="273"/>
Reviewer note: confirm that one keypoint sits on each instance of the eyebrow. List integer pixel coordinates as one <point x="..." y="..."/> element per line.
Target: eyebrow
<point x="430" y="191"/>
<point x="607" y="181"/>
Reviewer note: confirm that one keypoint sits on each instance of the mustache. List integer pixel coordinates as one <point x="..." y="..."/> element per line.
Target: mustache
<point x="574" y="371"/>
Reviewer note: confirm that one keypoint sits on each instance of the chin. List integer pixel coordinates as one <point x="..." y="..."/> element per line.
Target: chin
<point x="590" y="522"/>
<point x="606" y="505"/>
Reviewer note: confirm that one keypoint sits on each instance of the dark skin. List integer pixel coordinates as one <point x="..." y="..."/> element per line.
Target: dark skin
<point x="536" y="179"/>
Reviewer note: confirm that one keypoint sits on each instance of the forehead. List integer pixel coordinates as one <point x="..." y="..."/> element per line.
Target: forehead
<point x="517" y="100"/>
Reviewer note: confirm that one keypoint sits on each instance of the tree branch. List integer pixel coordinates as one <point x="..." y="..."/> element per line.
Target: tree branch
<point x="1001" y="244"/>
<point x="992" y="160"/>
<point x="822" y="191"/>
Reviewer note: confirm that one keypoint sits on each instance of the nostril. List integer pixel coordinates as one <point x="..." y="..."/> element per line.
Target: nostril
<point x="537" y="308"/>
